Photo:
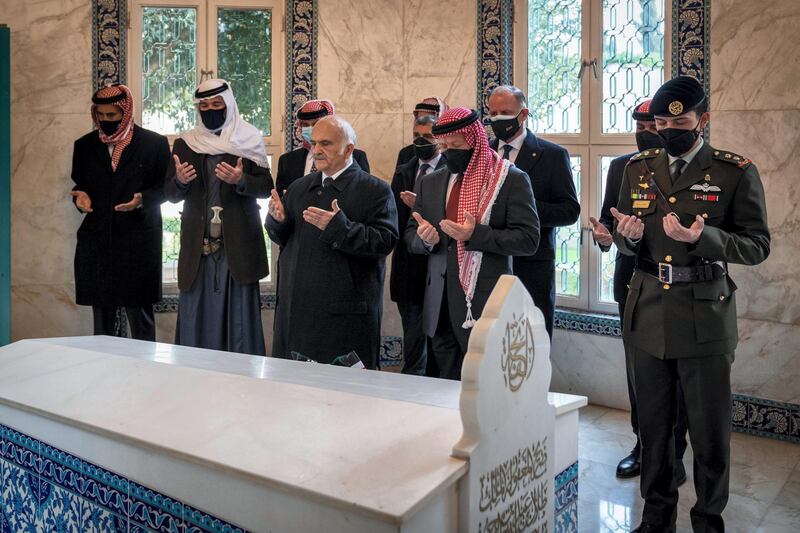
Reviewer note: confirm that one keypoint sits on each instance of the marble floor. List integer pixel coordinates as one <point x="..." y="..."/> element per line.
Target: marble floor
<point x="764" y="489"/>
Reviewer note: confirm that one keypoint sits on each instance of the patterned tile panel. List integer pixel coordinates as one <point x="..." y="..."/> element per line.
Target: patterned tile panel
<point x="46" y="489"/>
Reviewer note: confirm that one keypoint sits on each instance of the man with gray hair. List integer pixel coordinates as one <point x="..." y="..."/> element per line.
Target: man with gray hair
<point x="335" y="226"/>
<point x="547" y="166"/>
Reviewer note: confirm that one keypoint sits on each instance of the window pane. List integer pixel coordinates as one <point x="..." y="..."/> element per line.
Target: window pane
<point x="169" y="50"/>
<point x="554" y="59"/>
<point x="633" y="58"/>
<point x="171" y="237"/>
<point x="568" y="246"/>
<point x="607" y="258"/>
<point x="244" y="58"/>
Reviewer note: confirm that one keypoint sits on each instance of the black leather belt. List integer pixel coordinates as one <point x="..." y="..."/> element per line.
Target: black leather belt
<point x="666" y="273"/>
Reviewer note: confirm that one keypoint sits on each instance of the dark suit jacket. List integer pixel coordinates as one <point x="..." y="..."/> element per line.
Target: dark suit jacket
<point x="409" y="271"/>
<point x="405" y="155"/>
<point x="623" y="264"/>
<point x="292" y="166"/>
<point x="241" y="221"/>
<point x="513" y="230"/>
<point x="330" y="290"/>
<point x="118" y="254"/>
<point x="548" y="168"/>
<point x="679" y="320"/>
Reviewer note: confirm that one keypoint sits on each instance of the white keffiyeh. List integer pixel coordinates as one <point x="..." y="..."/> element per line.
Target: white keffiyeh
<point x="237" y="136"/>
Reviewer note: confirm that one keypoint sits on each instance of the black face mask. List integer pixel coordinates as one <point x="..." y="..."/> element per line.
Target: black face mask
<point x="458" y="160"/>
<point x="506" y="128"/>
<point x="213" y="119"/>
<point x="678" y="141"/>
<point x="647" y="140"/>
<point x="110" y="127"/>
<point x="424" y="149"/>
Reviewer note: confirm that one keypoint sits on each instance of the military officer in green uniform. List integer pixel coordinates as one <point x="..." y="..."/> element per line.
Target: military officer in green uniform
<point x="685" y="211"/>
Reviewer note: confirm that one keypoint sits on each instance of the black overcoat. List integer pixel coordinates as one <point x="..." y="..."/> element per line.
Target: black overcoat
<point x="330" y="283"/>
<point x="118" y="254"/>
<point x="241" y="219"/>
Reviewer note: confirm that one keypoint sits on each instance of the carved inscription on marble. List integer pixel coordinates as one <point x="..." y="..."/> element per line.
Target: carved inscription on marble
<point x="514" y="493"/>
<point x="516" y="361"/>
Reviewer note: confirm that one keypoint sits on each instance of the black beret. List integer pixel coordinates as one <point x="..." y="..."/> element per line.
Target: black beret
<point x="677" y="96"/>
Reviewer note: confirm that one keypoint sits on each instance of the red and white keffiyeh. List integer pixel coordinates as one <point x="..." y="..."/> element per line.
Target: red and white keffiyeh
<point x="481" y="183"/>
<point x="314" y="109"/>
<point x="120" y="96"/>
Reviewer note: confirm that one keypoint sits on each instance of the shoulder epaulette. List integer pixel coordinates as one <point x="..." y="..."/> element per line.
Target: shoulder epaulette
<point x="647" y="154"/>
<point x="730" y="157"/>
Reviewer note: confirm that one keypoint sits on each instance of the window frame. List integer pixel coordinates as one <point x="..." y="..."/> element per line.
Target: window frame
<point x="590" y="144"/>
<point x="206" y="55"/>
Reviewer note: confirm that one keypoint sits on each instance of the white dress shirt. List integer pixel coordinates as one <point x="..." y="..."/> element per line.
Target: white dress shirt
<point x="516" y="146"/>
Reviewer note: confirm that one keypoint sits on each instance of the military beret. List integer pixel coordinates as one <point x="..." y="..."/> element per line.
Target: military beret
<point x="642" y="111"/>
<point x="677" y="96"/>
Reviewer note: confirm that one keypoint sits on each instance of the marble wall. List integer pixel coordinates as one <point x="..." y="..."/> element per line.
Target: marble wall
<point x="755" y="112"/>
<point x="378" y="58"/>
<point x="51" y="70"/>
<point x="375" y="60"/>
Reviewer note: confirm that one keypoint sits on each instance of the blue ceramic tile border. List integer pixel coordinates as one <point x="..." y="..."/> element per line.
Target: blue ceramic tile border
<point x="566" y="496"/>
<point x="109" y="42"/>
<point x="301" y="62"/>
<point x="766" y="418"/>
<point x="495" y="47"/>
<point x="46" y="489"/>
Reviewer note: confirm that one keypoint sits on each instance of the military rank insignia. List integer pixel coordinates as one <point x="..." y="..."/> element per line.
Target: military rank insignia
<point x="705" y="187"/>
<point x="707" y="197"/>
<point x="642" y="196"/>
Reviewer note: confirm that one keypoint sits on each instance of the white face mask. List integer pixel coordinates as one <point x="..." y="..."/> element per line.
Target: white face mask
<point x="497" y="118"/>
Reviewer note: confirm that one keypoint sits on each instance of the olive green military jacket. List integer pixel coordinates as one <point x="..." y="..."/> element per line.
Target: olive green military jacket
<point x="679" y="320"/>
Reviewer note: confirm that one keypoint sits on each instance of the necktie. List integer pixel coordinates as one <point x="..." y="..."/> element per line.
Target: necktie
<point x="507" y="151"/>
<point x="423" y="169"/>
<point x="677" y="168"/>
<point x="451" y="210"/>
<point x="313" y="165"/>
<point x="327" y="182"/>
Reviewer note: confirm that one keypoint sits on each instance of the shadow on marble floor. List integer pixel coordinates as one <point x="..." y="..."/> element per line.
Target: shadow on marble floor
<point x="764" y="489"/>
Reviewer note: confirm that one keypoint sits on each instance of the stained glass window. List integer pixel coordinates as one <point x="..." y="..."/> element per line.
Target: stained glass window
<point x="568" y="246"/>
<point x="606" y="259"/>
<point x="244" y="58"/>
<point x="554" y="59"/>
<point x="633" y="58"/>
<point x="169" y="67"/>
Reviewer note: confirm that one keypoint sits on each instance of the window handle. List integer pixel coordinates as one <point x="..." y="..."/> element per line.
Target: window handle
<point x="593" y="63"/>
<point x="584" y="64"/>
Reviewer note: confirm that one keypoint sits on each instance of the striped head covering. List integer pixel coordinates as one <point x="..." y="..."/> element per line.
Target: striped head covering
<point x="120" y="96"/>
<point x="439" y="107"/>
<point x="315" y="109"/>
<point x="481" y="183"/>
